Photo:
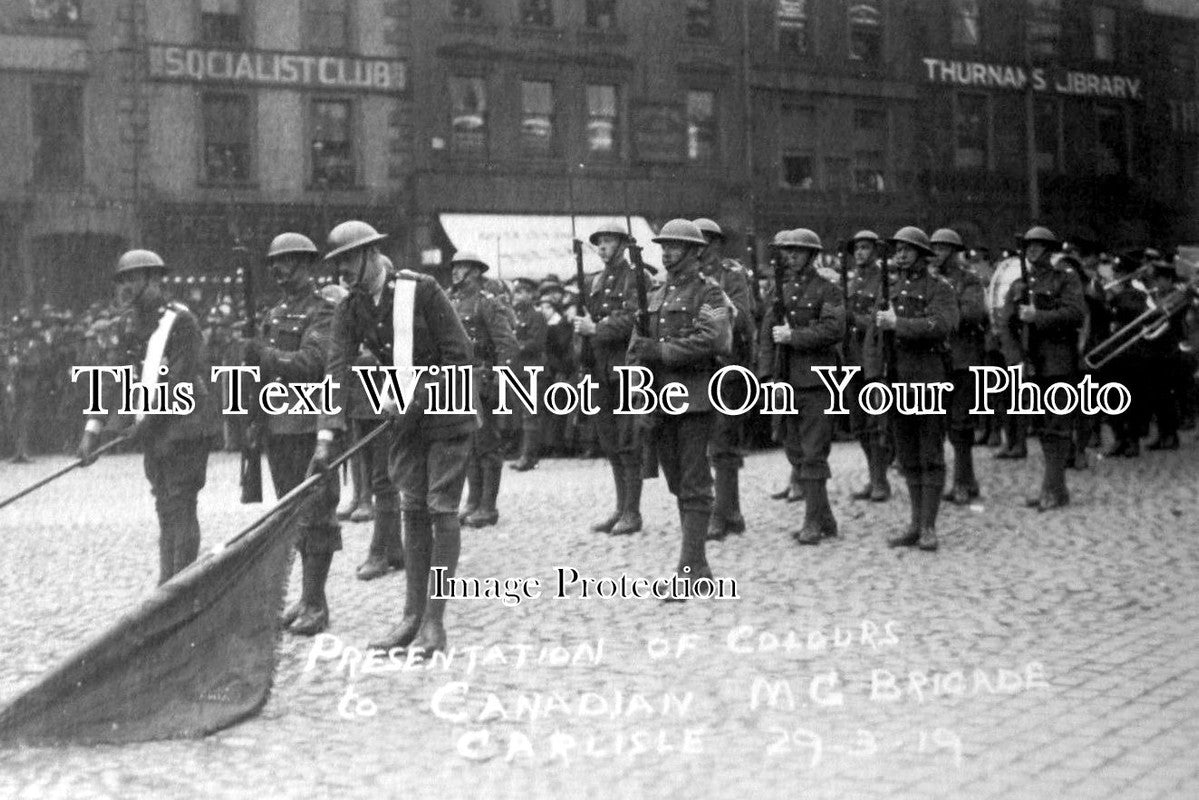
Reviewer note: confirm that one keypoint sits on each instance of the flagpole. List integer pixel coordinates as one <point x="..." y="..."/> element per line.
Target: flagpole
<point x="73" y="465"/>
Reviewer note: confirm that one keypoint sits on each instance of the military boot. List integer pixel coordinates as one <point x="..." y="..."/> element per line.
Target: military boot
<point x="693" y="559"/>
<point x="818" y="514"/>
<point x="386" y="552"/>
<point x="447" y="538"/>
<point x="618" y="479"/>
<point x="1016" y="442"/>
<point x="718" y="523"/>
<point x="418" y="552"/>
<point x="1053" y="485"/>
<point x="911" y="535"/>
<point x="880" y="486"/>
<point x="965" y="486"/>
<point x="474" y="489"/>
<point x="734" y="522"/>
<point x="868" y="490"/>
<point x="487" y="514"/>
<point x="315" y="616"/>
<point x="528" y="451"/>
<point x="930" y="504"/>
<point x="630" y="518"/>
<point x="1166" y="441"/>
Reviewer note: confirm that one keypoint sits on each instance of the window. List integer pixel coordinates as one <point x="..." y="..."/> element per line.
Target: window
<point x="836" y="174"/>
<point x="603" y="117"/>
<point x="866" y="33"/>
<point x="468" y="115"/>
<point x="227" y="136"/>
<point x="1044" y="27"/>
<point x="332" y="144"/>
<point x="869" y="119"/>
<point x="701" y="127"/>
<point x="1103" y="32"/>
<point x="971" y="125"/>
<point x="539" y="13"/>
<point x="1111" y="141"/>
<point x="869" y="167"/>
<point x="57" y="133"/>
<point x="965" y="30"/>
<point x="1047" y="127"/>
<point x="328" y="24"/>
<point x="798" y="171"/>
<point x="792" y="20"/>
<point x="537" y="117"/>
<point x="699" y="19"/>
<point x="601" y="14"/>
<point x="59" y="12"/>
<point x="220" y="21"/>
<point x="1182" y="62"/>
<point x="466" y="9"/>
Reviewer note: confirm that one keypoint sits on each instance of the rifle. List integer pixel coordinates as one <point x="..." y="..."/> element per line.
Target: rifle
<point x="751" y="259"/>
<point x="649" y="445"/>
<point x="780" y="370"/>
<point x="884" y="303"/>
<point x="251" y="448"/>
<point x="846" y="259"/>
<point x="1026" y="298"/>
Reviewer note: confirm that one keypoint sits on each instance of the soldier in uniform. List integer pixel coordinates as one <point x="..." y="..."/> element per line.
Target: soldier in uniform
<point x="291" y="348"/>
<point x="865" y="292"/>
<point x="488" y="325"/>
<point x="611" y="302"/>
<point x="1085" y="248"/>
<point x="559" y="363"/>
<point x="922" y="315"/>
<point x="530" y="335"/>
<point x="1040" y="328"/>
<point x="164" y="338"/>
<point x="689" y="328"/>
<point x="727" y="448"/>
<point x="789" y="348"/>
<point x="965" y="351"/>
<point x="1166" y="361"/>
<point x="405" y="320"/>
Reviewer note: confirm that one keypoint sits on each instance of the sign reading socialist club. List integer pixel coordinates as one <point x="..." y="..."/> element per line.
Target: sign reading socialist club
<point x="281" y="70"/>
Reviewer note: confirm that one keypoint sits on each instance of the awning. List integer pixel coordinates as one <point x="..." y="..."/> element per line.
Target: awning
<point x="530" y="246"/>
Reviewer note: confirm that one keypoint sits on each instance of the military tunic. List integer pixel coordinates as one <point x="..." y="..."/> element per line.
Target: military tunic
<point x="815" y="311"/>
<point x="927" y="313"/>
<point x="690" y="322"/>
<point x="612" y="304"/>
<point x="428" y="451"/>
<point x="296" y="334"/>
<point x="488" y="326"/>
<point x="530" y="332"/>
<point x="733" y="280"/>
<point x="966" y="349"/>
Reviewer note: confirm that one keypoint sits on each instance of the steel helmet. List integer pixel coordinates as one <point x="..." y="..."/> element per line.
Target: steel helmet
<point x="608" y="229"/>
<point x="802" y="238"/>
<point x="351" y="235"/>
<point x="681" y="230"/>
<point x="915" y="237"/>
<point x="947" y="236"/>
<point x="866" y="235"/>
<point x="709" y="227"/>
<point x="286" y="244"/>
<point x="778" y="239"/>
<point x="139" y="259"/>
<point x="1041" y="234"/>
<point x="467" y="257"/>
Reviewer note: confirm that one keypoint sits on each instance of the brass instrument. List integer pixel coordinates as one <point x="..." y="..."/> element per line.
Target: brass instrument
<point x="1149" y="326"/>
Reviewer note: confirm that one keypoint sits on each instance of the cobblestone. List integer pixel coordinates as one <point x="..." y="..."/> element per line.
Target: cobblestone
<point x="1033" y="656"/>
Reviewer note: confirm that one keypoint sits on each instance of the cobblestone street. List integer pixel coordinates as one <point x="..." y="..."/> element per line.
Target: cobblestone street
<point x="1033" y="656"/>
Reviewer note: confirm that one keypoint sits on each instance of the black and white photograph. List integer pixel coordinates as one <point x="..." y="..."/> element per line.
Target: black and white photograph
<point x="599" y="398"/>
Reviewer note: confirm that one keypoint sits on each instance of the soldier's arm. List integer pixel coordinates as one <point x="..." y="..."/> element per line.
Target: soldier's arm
<point x="712" y="325"/>
<point x="499" y="328"/>
<point x="1009" y="324"/>
<point x="1070" y="311"/>
<point x="766" y="344"/>
<point x="307" y="362"/>
<point x="341" y="349"/>
<point x="940" y="317"/>
<point x="617" y="328"/>
<point x="826" y="329"/>
<point x="453" y="345"/>
<point x="972" y="303"/>
<point x="534" y="344"/>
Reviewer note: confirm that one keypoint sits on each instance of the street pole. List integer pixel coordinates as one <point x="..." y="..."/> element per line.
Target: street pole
<point x="747" y="111"/>
<point x="1030" y="137"/>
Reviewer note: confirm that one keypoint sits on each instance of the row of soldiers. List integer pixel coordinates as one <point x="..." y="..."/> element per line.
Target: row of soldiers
<point x="911" y="314"/>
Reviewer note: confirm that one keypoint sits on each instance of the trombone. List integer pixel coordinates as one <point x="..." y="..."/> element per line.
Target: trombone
<point x="1149" y="326"/>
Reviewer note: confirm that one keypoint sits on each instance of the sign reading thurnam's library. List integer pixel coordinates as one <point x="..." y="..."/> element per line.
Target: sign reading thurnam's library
<point x="282" y="70"/>
<point x="1006" y="76"/>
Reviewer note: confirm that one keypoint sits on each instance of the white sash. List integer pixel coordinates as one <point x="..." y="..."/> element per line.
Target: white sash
<point x="154" y="351"/>
<point x="402" y="313"/>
